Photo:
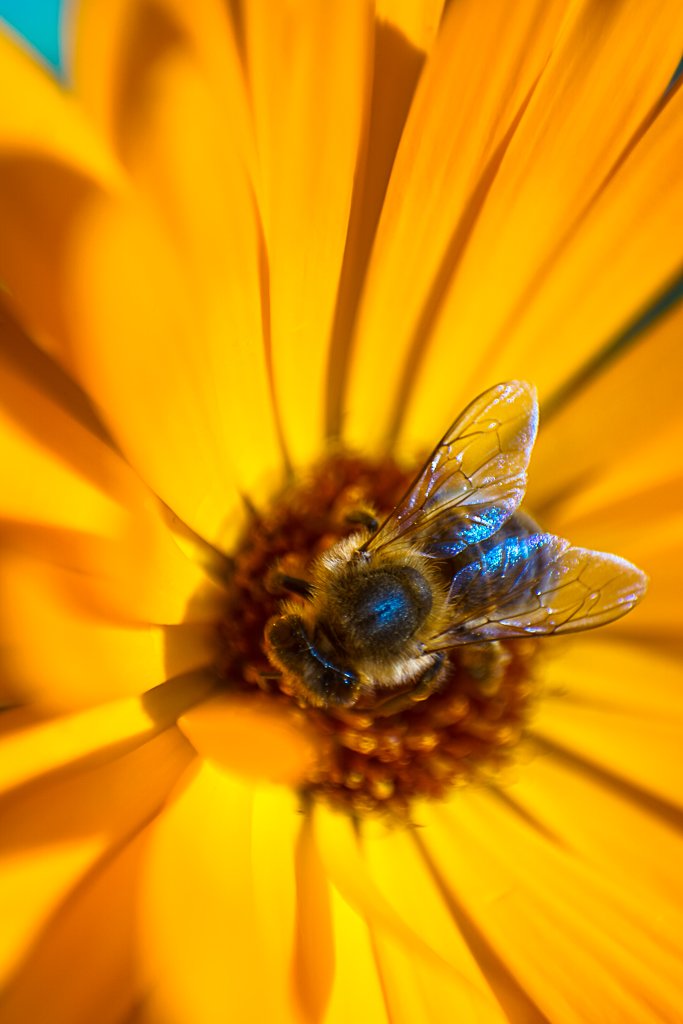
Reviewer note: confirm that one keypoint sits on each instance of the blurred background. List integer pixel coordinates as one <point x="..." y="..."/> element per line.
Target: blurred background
<point x="38" y="22"/>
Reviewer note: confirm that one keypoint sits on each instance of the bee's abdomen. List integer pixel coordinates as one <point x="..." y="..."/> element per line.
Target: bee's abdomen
<point x="376" y="611"/>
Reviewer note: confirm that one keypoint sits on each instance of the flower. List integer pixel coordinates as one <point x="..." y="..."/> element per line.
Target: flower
<point x="242" y="230"/>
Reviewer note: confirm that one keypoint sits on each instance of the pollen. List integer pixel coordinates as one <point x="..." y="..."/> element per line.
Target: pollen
<point x="371" y="760"/>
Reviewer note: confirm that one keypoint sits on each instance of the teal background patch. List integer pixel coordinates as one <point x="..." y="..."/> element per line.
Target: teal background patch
<point x="38" y="21"/>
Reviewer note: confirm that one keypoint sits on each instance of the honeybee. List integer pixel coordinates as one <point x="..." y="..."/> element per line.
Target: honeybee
<point x="454" y="563"/>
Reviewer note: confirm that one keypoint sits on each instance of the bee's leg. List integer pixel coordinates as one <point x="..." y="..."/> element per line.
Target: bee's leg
<point x="425" y="687"/>
<point x="277" y="582"/>
<point x="295" y="585"/>
<point x="485" y="664"/>
<point x="266" y="680"/>
<point x="363" y="517"/>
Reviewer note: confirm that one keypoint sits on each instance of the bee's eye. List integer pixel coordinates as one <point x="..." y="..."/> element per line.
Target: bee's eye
<point x="382" y="607"/>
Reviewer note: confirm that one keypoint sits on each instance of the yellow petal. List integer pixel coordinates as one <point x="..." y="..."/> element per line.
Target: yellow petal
<point x="46" y="121"/>
<point x="357" y="992"/>
<point x="343" y="859"/>
<point x="39" y="201"/>
<point x="36" y="747"/>
<point x="483" y="64"/>
<point x="145" y="369"/>
<point x="313" y="962"/>
<point x="604" y="673"/>
<point x="51" y="161"/>
<point x="275" y="831"/>
<point x="39" y="444"/>
<point x="551" y="917"/>
<point x="404" y="33"/>
<point x="182" y="143"/>
<point x="140" y="576"/>
<point x="593" y="817"/>
<point x="57" y="830"/>
<point x="59" y="652"/>
<point x="117" y="43"/>
<point x="564" y="255"/>
<point x="657" y="549"/>
<point x="645" y="526"/>
<point x="617" y="264"/>
<point x="251" y="738"/>
<point x="622" y="713"/>
<point x="417" y="22"/>
<point x="416" y="990"/>
<point x="202" y="914"/>
<point x="170" y="128"/>
<point x="309" y="76"/>
<point x="74" y="502"/>
<point x="433" y="990"/>
<point x="657" y="618"/>
<point x="96" y="928"/>
<point x="632" y="401"/>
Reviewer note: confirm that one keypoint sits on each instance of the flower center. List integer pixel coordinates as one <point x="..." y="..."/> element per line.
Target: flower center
<point x="421" y="731"/>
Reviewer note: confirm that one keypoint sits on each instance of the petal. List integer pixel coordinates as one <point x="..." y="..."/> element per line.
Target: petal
<point x="605" y="74"/>
<point x="589" y="814"/>
<point x="309" y="77"/>
<point x="630" y="401"/>
<point x="416" y="22"/>
<point x="404" y="33"/>
<point x="138" y="359"/>
<point x="47" y="121"/>
<point x="475" y="81"/>
<point x="109" y="988"/>
<point x="59" y="652"/>
<point x="51" y="161"/>
<point x="116" y="43"/>
<point x="169" y="119"/>
<point x="362" y="887"/>
<point x="337" y="842"/>
<point x="61" y="474"/>
<point x="614" y="265"/>
<point x="551" y="917"/>
<point x="314" y="957"/>
<point x="253" y="738"/>
<point x="275" y="834"/>
<point x="599" y="672"/>
<point x="417" y="991"/>
<point x="34" y="748"/>
<point x="56" y="833"/>
<point x="357" y="992"/>
<point x="655" y="547"/>
<point x="417" y="987"/>
<point x="635" y="504"/>
<point x="657" y="618"/>
<point x="73" y="501"/>
<point x="138" y="577"/>
<point x="167" y="383"/>
<point x="622" y="713"/>
<point x="206" y="940"/>
<point x="167" y="362"/>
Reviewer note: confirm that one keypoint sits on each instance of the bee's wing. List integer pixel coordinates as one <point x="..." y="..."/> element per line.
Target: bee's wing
<point x="474" y="479"/>
<point x="534" y="586"/>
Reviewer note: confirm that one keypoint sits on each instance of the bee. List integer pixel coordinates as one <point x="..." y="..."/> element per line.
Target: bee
<point x="456" y="562"/>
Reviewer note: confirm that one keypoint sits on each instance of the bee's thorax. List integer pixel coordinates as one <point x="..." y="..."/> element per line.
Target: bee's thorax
<point x="378" y="608"/>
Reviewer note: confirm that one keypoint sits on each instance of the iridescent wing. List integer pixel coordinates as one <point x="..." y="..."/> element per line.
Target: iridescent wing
<point x="537" y="585"/>
<point x="474" y="479"/>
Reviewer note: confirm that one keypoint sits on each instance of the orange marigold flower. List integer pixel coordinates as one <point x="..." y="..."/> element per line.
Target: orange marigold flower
<point x="243" y="241"/>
